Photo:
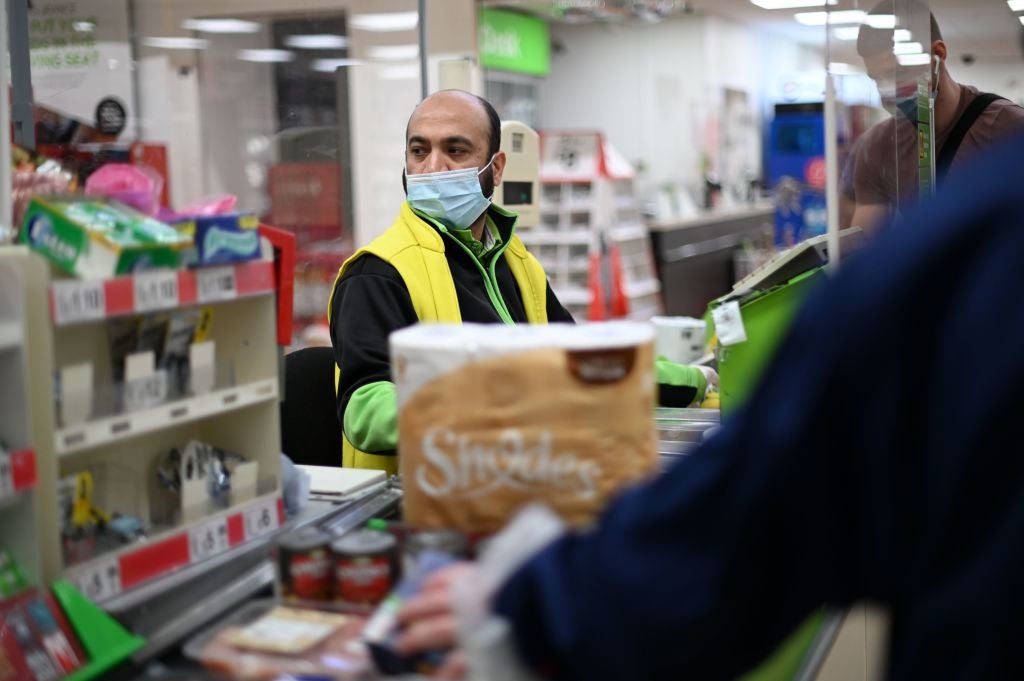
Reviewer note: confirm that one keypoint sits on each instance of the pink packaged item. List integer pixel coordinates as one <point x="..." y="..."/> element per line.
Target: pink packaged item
<point x="136" y="186"/>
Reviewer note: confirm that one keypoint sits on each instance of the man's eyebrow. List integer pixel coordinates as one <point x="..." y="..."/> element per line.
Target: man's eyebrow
<point x="417" y="139"/>
<point x="458" y="139"/>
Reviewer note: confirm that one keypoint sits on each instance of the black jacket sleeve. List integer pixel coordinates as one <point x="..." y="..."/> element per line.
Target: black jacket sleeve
<point x="370" y="302"/>
<point x="556" y="311"/>
<point x="874" y="461"/>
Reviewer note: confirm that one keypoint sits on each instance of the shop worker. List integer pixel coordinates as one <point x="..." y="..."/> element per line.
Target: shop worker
<point x="905" y="489"/>
<point x="450" y="256"/>
<point x="965" y="120"/>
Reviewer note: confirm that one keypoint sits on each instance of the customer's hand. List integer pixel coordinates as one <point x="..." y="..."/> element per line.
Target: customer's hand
<point x="429" y="622"/>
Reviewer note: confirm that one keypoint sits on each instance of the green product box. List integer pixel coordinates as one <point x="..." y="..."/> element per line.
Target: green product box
<point x="766" y="316"/>
<point x="95" y="238"/>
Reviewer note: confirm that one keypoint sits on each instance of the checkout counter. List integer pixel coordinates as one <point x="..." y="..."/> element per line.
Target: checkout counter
<point x="694" y="256"/>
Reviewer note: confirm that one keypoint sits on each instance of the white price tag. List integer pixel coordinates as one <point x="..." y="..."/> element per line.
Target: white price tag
<point x="147" y="392"/>
<point x="157" y="290"/>
<point x="78" y="301"/>
<point x="100" y="581"/>
<point x="216" y="283"/>
<point x="260" y="520"/>
<point x="208" y="539"/>
<point x="729" y="324"/>
<point x="6" y="476"/>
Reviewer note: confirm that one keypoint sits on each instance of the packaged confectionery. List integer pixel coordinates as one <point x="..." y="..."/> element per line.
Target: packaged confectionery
<point x="95" y="238"/>
<point x="221" y="239"/>
<point x="492" y="417"/>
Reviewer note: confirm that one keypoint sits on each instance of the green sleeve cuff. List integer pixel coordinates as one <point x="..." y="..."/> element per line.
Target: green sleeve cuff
<point x="371" y="418"/>
<point x="670" y="373"/>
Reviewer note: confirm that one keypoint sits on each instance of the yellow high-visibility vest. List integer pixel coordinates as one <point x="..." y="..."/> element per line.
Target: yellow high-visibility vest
<point x="416" y="250"/>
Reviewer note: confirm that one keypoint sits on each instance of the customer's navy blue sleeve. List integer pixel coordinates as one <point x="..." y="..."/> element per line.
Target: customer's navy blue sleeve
<point x="865" y="466"/>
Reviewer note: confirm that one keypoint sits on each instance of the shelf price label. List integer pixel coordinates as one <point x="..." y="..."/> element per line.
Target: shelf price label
<point x="100" y="581"/>
<point x="261" y="520"/>
<point x="78" y="301"/>
<point x="147" y="392"/>
<point x="208" y="539"/>
<point x="216" y="283"/>
<point x="157" y="290"/>
<point x="6" y="475"/>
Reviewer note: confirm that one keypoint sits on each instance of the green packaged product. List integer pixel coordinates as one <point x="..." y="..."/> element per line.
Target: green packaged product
<point x="12" y="578"/>
<point x="95" y="238"/>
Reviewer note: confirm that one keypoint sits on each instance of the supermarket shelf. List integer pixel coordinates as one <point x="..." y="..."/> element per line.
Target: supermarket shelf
<point x="628" y="233"/>
<point x="112" y="574"/>
<point x="639" y="289"/>
<point x="73" y="301"/>
<point x="11" y="335"/>
<point x="17" y="473"/>
<point x="106" y="431"/>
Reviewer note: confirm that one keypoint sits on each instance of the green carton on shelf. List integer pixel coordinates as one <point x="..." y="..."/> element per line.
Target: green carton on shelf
<point x="94" y="238"/>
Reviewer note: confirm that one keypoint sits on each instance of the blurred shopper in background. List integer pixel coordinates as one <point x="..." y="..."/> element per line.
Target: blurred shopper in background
<point x="885" y="169"/>
<point x="871" y="464"/>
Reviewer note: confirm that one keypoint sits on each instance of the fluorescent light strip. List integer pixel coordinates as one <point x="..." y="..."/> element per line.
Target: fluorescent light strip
<point x="914" y="59"/>
<point x="791" y="4"/>
<point x="1022" y="20"/>
<point x="881" y="20"/>
<point x="385" y="22"/>
<point x="332" y="65"/>
<point x="172" y="43"/>
<point x="393" y="52"/>
<point x="220" y="25"/>
<point x="266" y="56"/>
<point x="321" y="41"/>
<point x="1016" y="5"/>
<point x="850" y="16"/>
<point x="907" y="48"/>
<point x="902" y="35"/>
<point x="846" y="32"/>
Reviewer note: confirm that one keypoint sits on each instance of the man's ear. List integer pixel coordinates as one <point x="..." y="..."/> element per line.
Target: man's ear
<point x="498" y="167"/>
<point x="940" y="50"/>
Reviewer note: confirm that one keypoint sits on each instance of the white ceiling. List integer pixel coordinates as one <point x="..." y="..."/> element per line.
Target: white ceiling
<point x="985" y="29"/>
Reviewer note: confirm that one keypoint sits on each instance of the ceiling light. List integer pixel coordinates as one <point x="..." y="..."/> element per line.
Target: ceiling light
<point x="176" y="43"/>
<point x="320" y="41"/>
<point x="918" y="59"/>
<point x="403" y="72"/>
<point x="384" y="22"/>
<point x="907" y="48"/>
<point x="393" y="52"/>
<point x="220" y="25"/>
<point x="1022" y="20"/>
<point x="850" y="16"/>
<point x="791" y="4"/>
<point x="266" y="56"/>
<point x="902" y="35"/>
<point x="1016" y="5"/>
<point x="846" y="32"/>
<point x="881" y="20"/>
<point x="332" y="65"/>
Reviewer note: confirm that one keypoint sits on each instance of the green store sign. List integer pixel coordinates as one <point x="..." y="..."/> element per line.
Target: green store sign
<point x="514" y="42"/>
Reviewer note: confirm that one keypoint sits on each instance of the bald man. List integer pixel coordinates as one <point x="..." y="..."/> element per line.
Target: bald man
<point x="451" y="256"/>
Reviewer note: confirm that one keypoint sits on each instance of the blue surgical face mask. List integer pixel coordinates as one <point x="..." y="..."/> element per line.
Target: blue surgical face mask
<point x="452" y="197"/>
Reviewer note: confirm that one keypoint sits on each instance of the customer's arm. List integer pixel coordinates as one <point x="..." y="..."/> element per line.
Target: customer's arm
<point x="370" y="302"/>
<point x="710" y="566"/>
